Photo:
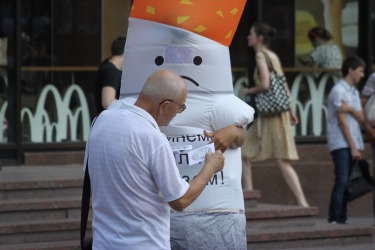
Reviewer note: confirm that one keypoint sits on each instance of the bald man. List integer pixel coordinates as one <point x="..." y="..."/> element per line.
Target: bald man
<point x="134" y="177"/>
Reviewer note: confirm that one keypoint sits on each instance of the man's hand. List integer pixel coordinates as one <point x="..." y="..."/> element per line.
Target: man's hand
<point x="215" y="161"/>
<point x="230" y="136"/>
<point x="370" y="132"/>
<point x="356" y="154"/>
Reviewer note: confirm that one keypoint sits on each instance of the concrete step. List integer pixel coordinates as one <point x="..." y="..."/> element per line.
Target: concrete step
<point x="319" y="152"/>
<point x="41" y="182"/>
<point x="41" y="205"/>
<point x="41" y="231"/>
<point x="251" y="198"/>
<point x="350" y="247"/>
<point x="269" y="216"/>
<point x="316" y="179"/>
<point x="60" y="157"/>
<point x="39" y="209"/>
<point x="322" y="234"/>
<point x="54" y="245"/>
<point x="40" y="189"/>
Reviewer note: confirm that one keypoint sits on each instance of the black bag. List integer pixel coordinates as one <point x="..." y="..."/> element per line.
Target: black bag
<point x="276" y="99"/>
<point x="86" y="244"/>
<point x="360" y="181"/>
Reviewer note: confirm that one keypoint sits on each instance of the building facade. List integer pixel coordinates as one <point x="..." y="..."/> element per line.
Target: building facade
<point x="50" y="51"/>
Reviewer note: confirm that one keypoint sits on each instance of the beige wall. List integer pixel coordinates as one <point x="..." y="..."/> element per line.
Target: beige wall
<point x="115" y="15"/>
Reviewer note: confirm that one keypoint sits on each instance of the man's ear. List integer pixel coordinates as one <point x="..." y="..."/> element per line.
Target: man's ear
<point x="162" y="108"/>
<point x="350" y="71"/>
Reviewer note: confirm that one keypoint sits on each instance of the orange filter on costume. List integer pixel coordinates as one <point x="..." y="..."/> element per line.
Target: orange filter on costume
<point x="214" y="19"/>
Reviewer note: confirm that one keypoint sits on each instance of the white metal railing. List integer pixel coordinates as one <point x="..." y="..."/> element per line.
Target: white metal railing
<point x="309" y="94"/>
<point x="54" y="119"/>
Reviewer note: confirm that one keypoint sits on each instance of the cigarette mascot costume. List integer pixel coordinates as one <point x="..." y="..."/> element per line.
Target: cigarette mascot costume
<point x="191" y="37"/>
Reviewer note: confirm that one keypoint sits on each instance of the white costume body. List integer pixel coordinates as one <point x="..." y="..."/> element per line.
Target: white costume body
<point x="211" y="103"/>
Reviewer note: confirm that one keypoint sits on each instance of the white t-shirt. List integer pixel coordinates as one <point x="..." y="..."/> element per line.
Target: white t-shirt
<point x="133" y="175"/>
<point x="343" y="92"/>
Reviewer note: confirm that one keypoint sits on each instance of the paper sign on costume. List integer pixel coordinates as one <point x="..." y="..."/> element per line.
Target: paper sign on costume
<point x="191" y="37"/>
<point x="198" y="155"/>
<point x="224" y="188"/>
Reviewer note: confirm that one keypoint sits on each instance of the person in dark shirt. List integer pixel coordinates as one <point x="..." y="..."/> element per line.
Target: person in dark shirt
<point x="108" y="81"/>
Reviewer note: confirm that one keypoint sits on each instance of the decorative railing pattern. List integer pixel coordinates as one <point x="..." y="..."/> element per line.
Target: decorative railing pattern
<point x="58" y="117"/>
<point x="68" y="120"/>
<point x="3" y="104"/>
<point x="61" y="121"/>
<point x="311" y="111"/>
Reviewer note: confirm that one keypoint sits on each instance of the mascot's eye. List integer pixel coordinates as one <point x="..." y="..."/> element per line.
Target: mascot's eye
<point x="197" y="60"/>
<point x="159" y="60"/>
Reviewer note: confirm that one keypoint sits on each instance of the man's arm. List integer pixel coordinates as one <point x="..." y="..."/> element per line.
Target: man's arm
<point x="230" y="136"/>
<point x="214" y="163"/>
<point x="345" y="130"/>
<point x="108" y="96"/>
<point x="357" y="114"/>
<point x="370" y="131"/>
<point x="264" y="75"/>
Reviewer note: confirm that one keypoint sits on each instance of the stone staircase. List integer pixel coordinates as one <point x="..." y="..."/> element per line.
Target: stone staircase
<point x="288" y="226"/>
<point x="41" y="214"/>
<point x="272" y="226"/>
<point x="40" y="209"/>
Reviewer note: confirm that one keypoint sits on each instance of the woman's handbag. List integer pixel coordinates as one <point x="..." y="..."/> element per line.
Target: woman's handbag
<point x="360" y="181"/>
<point x="86" y="244"/>
<point x="276" y="99"/>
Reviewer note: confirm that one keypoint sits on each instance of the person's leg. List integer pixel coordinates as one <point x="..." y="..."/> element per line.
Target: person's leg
<point x="247" y="181"/>
<point x="208" y="230"/>
<point x="292" y="180"/>
<point x="337" y="208"/>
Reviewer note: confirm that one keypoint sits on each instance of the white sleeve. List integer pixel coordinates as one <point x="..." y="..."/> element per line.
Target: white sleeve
<point x="230" y="110"/>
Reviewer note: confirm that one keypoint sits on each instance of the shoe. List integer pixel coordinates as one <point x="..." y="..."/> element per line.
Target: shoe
<point x="331" y="221"/>
<point x="343" y="222"/>
<point x="338" y="222"/>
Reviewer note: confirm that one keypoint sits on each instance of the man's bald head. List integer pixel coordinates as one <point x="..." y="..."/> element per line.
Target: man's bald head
<point x="163" y="96"/>
<point x="163" y="84"/>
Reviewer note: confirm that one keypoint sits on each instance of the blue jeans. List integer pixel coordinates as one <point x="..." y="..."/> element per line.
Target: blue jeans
<point x="342" y="159"/>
